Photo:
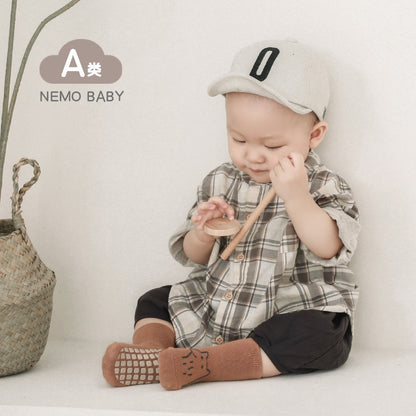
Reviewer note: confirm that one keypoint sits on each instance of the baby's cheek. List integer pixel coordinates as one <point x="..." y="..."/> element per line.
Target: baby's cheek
<point x="276" y="157"/>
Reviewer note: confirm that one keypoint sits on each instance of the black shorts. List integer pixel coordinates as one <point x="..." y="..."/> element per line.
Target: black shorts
<point x="305" y="341"/>
<point x="153" y="304"/>
<point x="297" y="342"/>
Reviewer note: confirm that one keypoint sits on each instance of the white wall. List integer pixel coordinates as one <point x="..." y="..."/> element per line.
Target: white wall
<point x="119" y="177"/>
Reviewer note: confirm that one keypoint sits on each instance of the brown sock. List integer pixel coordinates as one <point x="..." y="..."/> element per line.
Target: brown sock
<point x="129" y="364"/>
<point x="154" y="336"/>
<point x="137" y="363"/>
<point x="237" y="360"/>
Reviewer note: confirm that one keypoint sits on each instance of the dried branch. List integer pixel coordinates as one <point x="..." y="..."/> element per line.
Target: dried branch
<point x="8" y="108"/>
<point x="5" y="110"/>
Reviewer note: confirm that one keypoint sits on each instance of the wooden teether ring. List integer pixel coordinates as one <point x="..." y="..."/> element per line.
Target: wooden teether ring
<point x="219" y="227"/>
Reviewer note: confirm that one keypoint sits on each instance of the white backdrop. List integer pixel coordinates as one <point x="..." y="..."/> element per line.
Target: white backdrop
<point x="118" y="178"/>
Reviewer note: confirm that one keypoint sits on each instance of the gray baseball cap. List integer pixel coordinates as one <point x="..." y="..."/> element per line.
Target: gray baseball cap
<point x="285" y="71"/>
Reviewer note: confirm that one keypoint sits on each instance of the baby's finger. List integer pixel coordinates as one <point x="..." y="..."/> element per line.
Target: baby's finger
<point x="273" y="173"/>
<point x="196" y="220"/>
<point x="217" y="200"/>
<point x="230" y="212"/>
<point x="200" y="220"/>
<point x="285" y="164"/>
<point x="206" y="206"/>
<point x="296" y="159"/>
<point x="223" y="206"/>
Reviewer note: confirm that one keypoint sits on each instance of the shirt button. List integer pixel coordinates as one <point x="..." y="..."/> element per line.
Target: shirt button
<point x="228" y="296"/>
<point x="240" y="257"/>
<point x="219" y="340"/>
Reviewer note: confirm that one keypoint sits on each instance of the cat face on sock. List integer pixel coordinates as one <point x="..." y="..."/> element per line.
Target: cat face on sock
<point x="195" y="365"/>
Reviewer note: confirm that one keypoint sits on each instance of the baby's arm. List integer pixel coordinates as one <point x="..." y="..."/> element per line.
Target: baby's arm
<point x="197" y="243"/>
<point x="315" y="228"/>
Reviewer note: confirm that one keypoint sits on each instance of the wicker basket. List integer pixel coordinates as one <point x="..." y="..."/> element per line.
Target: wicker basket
<point x="26" y="288"/>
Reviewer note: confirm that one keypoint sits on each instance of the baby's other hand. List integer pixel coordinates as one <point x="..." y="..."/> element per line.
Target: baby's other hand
<point x="289" y="177"/>
<point x="215" y="207"/>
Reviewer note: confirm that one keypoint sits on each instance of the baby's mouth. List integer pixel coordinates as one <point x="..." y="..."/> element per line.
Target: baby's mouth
<point x="258" y="171"/>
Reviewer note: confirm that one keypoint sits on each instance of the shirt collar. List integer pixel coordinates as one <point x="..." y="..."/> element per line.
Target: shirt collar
<point x="312" y="161"/>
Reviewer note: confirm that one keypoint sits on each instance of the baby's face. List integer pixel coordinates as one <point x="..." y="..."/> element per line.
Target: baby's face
<point x="261" y="132"/>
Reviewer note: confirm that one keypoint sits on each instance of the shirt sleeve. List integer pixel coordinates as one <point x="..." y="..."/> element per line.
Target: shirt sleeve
<point x="176" y="241"/>
<point x="334" y="196"/>
<point x="216" y="183"/>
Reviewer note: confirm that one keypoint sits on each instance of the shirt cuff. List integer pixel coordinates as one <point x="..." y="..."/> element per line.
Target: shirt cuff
<point x="176" y="244"/>
<point x="348" y="229"/>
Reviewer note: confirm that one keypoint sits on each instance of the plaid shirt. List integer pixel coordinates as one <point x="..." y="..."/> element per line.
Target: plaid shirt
<point x="271" y="271"/>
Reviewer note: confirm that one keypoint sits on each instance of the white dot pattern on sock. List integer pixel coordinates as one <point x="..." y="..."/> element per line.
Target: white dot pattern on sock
<point x="136" y="365"/>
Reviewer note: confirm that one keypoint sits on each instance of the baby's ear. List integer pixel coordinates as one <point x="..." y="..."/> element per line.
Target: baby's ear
<point x="317" y="134"/>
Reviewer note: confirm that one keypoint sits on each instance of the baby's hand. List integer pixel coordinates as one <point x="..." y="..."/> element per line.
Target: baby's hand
<point x="215" y="207"/>
<point x="289" y="177"/>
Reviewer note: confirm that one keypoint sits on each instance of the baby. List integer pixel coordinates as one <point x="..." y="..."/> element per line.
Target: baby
<point x="283" y="302"/>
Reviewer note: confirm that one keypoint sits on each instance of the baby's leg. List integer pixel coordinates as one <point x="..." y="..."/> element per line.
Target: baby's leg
<point x="236" y="360"/>
<point x="298" y="342"/>
<point x="154" y="333"/>
<point x="269" y="369"/>
<point x="305" y="341"/>
<point x="137" y="363"/>
<point x="153" y="327"/>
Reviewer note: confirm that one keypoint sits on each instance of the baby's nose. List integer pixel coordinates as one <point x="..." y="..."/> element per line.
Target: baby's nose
<point x="255" y="156"/>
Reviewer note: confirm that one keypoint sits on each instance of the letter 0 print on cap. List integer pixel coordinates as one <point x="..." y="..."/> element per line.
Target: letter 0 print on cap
<point x="266" y="66"/>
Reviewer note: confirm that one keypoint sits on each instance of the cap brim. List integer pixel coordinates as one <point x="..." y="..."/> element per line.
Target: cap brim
<point x="235" y="82"/>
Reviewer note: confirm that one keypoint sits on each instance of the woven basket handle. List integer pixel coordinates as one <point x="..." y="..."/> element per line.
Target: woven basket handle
<point x="18" y="194"/>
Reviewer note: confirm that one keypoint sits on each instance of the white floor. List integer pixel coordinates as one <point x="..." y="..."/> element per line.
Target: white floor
<point x="67" y="381"/>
